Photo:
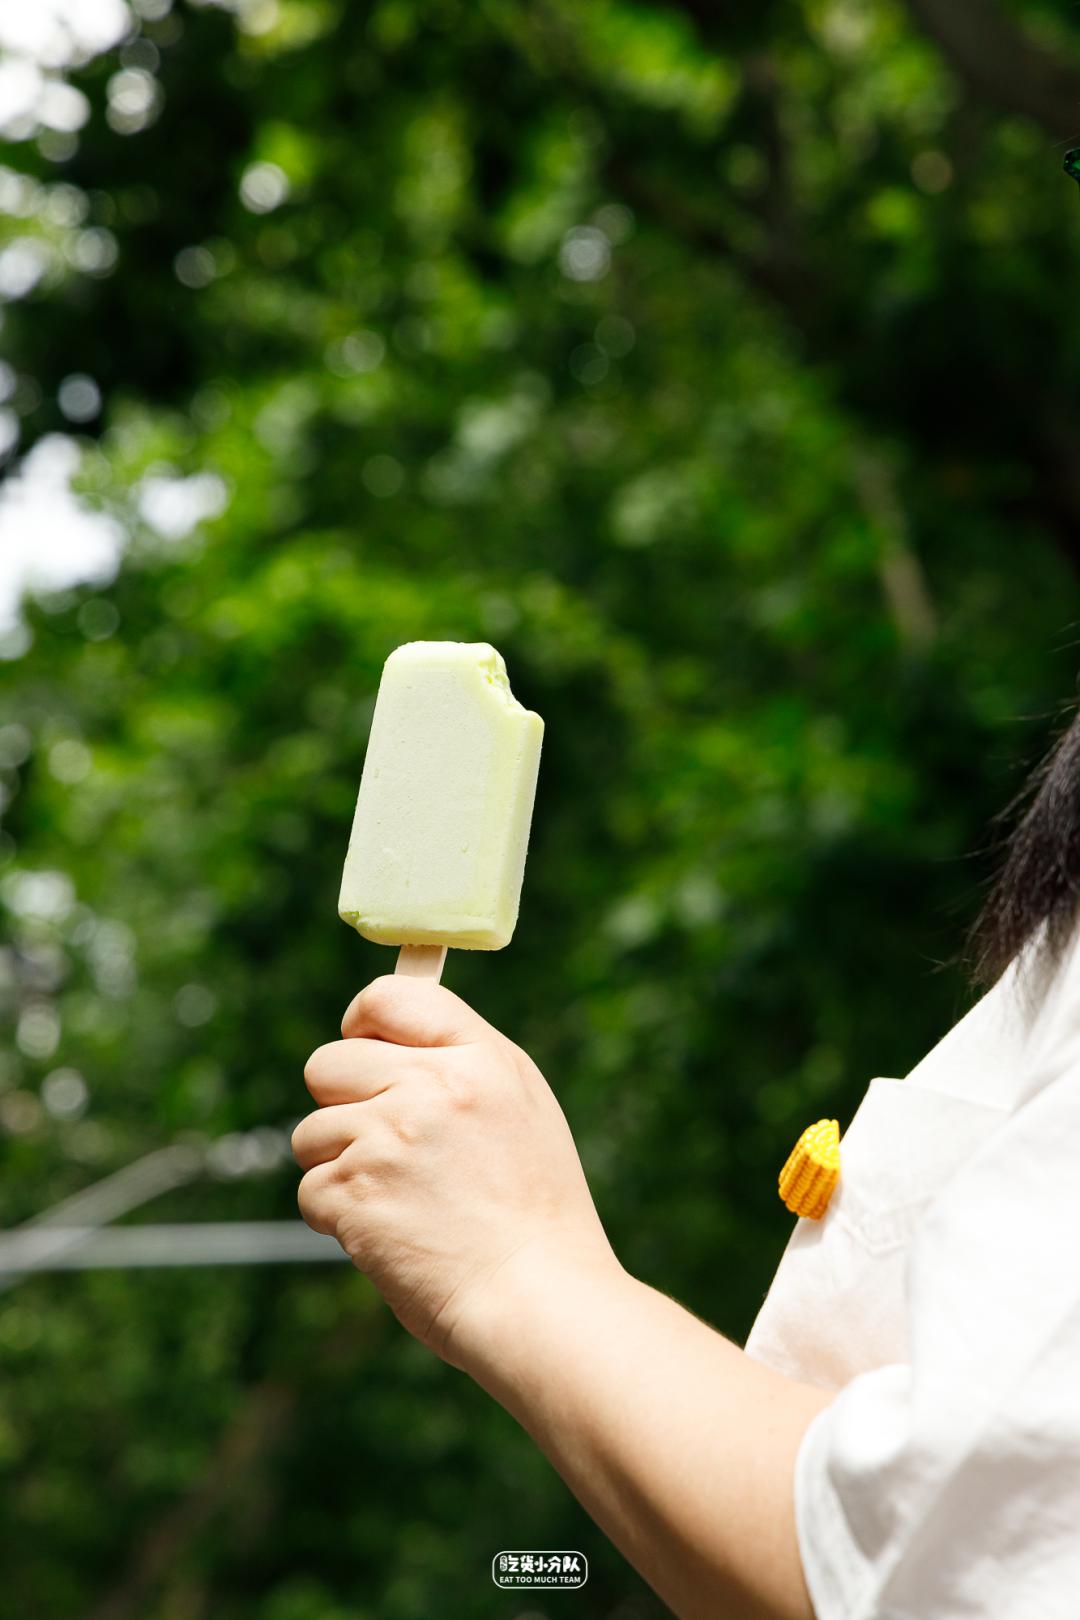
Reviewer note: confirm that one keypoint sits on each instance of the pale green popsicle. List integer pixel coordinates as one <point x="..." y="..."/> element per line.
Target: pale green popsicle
<point x="439" y="838"/>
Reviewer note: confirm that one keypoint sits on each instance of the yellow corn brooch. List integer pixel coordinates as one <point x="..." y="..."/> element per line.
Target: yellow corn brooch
<point x="812" y="1170"/>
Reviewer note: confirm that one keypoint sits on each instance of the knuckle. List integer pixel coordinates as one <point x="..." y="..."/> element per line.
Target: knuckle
<point x="313" y="1206"/>
<point x="354" y="1241"/>
<point x="375" y="1001"/>
<point x="409" y="1125"/>
<point x="315" y="1067"/>
<point x="460" y="1086"/>
<point x="349" y="1169"/>
<point x="463" y="1092"/>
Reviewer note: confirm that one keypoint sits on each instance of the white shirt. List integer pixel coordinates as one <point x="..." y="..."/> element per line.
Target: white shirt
<point x="940" y="1294"/>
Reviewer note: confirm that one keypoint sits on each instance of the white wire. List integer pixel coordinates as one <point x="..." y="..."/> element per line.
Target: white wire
<point x="68" y="1223"/>
<point x="198" y="1243"/>
<point x="70" y="1235"/>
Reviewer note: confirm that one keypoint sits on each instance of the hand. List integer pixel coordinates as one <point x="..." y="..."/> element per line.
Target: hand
<point x="439" y="1159"/>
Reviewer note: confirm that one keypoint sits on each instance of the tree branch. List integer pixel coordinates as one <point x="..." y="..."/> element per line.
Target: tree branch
<point x="997" y="59"/>
<point x="1002" y="64"/>
<point x="253" y="1429"/>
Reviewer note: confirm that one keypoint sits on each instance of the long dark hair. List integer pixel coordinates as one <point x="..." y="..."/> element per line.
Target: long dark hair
<point x="1037" y="888"/>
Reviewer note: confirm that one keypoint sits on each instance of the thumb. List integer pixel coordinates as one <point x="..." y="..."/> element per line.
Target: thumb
<point x="413" y="1012"/>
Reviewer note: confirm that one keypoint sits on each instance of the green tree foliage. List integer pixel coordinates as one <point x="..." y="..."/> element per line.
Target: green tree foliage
<point x="717" y="363"/>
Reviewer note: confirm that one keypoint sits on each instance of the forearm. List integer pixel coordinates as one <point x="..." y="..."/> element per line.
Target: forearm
<point x="679" y="1445"/>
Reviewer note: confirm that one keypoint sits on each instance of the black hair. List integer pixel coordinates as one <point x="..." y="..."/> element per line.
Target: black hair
<point x="1037" y="888"/>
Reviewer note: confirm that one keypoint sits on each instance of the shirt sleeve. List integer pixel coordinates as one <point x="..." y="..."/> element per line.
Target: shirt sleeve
<point x="949" y="1486"/>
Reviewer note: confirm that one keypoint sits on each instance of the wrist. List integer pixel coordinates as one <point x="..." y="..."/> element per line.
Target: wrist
<point x="529" y="1305"/>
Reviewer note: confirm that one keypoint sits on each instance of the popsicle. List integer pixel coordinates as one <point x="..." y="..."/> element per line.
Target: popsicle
<point x="438" y="843"/>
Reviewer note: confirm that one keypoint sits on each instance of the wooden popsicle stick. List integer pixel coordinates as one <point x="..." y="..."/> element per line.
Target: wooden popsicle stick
<point x="421" y="961"/>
